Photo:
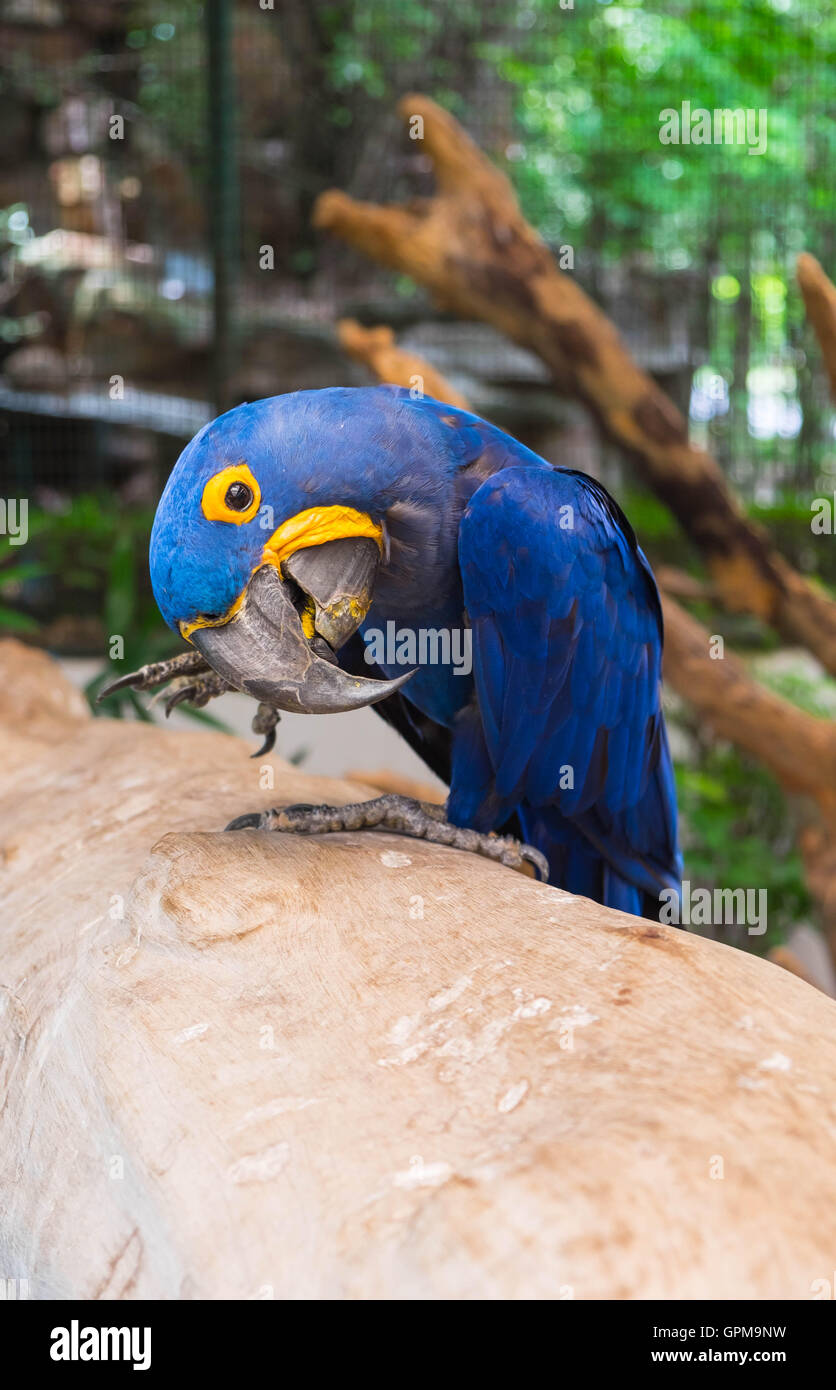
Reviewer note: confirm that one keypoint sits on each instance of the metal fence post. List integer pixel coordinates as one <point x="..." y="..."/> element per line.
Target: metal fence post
<point x="222" y="166"/>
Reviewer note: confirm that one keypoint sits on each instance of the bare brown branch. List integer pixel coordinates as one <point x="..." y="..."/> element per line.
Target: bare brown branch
<point x="819" y="296"/>
<point x="472" y="248"/>
<point x="377" y="350"/>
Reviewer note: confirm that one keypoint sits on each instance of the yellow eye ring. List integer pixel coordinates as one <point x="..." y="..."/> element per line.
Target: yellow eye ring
<point x="214" y="504"/>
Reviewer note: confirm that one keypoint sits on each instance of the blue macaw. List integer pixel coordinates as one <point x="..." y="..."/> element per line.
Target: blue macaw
<point x="293" y="530"/>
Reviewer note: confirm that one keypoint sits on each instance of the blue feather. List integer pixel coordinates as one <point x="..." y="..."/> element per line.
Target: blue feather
<point x="567" y="664"/>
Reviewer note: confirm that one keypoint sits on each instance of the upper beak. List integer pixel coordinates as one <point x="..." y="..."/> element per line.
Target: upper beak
<point x="339" y="577"/>
<point x="264" y="650"/>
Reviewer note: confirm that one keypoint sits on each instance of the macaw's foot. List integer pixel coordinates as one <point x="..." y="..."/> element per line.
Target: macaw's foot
<point x="192" y="690"/>
<point x="421" y="820"/>
<point x="199" y="690"/>
<point x="193" y="682"/>
<point x="189" y="663"/>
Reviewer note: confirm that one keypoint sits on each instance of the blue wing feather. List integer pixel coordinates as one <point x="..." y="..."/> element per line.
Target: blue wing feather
<point x="567" y="648"/>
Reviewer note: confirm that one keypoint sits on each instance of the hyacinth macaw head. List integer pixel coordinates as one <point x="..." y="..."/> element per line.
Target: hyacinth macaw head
<point x="271" y="531"/>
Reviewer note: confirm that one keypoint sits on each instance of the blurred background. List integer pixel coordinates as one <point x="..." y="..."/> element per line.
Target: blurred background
<point x="158" y="167"/>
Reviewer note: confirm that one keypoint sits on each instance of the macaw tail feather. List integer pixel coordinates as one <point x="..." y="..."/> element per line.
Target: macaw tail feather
<point x="577" y="866"/>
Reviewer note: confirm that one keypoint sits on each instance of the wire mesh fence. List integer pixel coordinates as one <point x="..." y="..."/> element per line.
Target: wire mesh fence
<point x="161" y="158"/>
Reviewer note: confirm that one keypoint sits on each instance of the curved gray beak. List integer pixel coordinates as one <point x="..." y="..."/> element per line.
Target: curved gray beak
<point x="263" y="649"/>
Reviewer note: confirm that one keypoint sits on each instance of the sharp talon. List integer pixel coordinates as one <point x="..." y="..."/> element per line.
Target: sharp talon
<point x="540" y="862"/>
<point x="122" y="683"/>
<point x="267" y="746"/>
<point x="265" y="720"/>
<point x="252" y="821"/>
<point x="178" y="698"/>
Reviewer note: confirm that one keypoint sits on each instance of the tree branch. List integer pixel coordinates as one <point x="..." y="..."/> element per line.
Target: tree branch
<point x="819" y="296"/>
<point x="472" y="248"/>
<point x="377" y="350"/>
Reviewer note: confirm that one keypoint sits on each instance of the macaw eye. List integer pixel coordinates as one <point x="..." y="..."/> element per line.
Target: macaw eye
<point x="231" y="495"/>
<point x="238" y="497"/>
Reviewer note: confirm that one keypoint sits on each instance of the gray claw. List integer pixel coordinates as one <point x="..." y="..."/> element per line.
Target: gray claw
<point x="179" y="697"/>
<point x="252" y="821"/>
<point x="197" y="692"/>
<point x="540" y="862"/>
<point x="264" y="722"/>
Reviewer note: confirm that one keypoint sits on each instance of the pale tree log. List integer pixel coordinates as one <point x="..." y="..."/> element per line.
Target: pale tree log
<point x="254" y="1065"/>
<point x="788" y="960"/>
<point x="798" y="748"/>
<point x="472" y="248"/>
<point x="819" y="296"/>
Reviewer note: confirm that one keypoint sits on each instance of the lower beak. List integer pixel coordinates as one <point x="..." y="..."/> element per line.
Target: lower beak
<point x="263" y="649"/>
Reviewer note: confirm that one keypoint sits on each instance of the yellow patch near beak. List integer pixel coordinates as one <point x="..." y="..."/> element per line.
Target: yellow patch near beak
<point x="314" y="526"/>
<point x="308" y="619"/>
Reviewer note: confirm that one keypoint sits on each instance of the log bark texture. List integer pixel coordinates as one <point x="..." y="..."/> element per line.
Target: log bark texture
<point x="255" y="1065"/>
<point x="472" y="248"/>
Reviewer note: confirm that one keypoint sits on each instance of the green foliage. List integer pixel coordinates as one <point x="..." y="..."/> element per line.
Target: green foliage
<point x="126" y="613"/>
<point x="736" y="834"/>
<point x="74" y="544"/>
<point x="90" y="561"/>
<point x="589" y="83"/>
<point x="811" y="690"/>
<point x="12" y="578"/>
<point x="737" y="828"/>
<point x="591" y="170"/>
<point x="568" y="98"/>
<point x="169" y="38"/>
<point x="592" y="83"/>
